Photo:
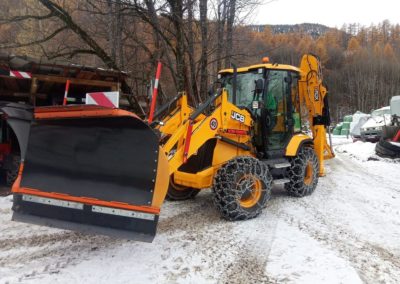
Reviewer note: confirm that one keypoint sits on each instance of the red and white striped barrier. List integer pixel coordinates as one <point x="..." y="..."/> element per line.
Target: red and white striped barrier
<point x="106" y="99"/>
<point x="20" y="74"/>
<point x="66" y="93"/>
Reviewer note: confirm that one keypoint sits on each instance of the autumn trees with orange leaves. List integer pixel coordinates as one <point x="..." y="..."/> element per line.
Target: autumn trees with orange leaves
<point x="196" y="38"/>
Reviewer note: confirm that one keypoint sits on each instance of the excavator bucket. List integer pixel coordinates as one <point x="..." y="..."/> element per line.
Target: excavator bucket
<point x="91" y="169"/>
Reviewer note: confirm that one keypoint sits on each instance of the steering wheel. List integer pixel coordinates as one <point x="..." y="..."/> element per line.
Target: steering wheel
<point x="250" y="111"/>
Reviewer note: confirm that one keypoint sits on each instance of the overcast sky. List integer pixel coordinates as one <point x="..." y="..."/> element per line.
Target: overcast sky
<point x="333" y="13"/>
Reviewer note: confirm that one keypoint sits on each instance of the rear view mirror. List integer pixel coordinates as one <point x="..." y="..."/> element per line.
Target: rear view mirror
<point x="214" y="86"/>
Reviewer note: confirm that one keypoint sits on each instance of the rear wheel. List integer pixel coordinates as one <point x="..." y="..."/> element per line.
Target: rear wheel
<point x="303" y="173"/>
<point x="12" y="173"/>
<point x="178" y="192"/>
<point x="242" y="188"/>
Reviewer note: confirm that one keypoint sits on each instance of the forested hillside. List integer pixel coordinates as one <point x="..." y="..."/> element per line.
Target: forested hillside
<point x="194" y="39"/>
<point x="361" y="64"/>
<point x="315" y="30"/>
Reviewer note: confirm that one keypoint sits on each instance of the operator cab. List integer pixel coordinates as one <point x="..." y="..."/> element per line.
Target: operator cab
<point x="271" y="95"/>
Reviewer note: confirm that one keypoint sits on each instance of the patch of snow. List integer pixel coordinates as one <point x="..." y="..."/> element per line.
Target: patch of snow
<point x="361" y="151"/>
<point x="347" y="231"/>
<point x="340" y="139"/>
<point x="358" y="149"/>
<point x="295" y="255"/>
<point x="395" y="143"/>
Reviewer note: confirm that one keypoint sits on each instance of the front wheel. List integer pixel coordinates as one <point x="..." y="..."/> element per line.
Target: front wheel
<point x="303" y="173"/>
<point x="242" y="188"/>
<point x="177" y="192"/>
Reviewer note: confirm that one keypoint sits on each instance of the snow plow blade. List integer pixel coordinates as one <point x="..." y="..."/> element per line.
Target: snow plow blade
<point x="94" y="170"/>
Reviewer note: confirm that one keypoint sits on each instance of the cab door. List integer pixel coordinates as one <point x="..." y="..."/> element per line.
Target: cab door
<point x="279" y="103"/>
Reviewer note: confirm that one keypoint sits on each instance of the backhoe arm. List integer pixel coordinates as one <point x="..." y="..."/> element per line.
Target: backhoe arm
<point x="177" y="111"/>
<point x="313" y="94"/>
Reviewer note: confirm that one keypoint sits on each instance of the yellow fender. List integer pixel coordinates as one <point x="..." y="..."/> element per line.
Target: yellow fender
<point x="296" y="142"/>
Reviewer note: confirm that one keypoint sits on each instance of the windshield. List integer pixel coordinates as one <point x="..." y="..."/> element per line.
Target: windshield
<point x="245" y="87"/>
<point x="381" y="112"/>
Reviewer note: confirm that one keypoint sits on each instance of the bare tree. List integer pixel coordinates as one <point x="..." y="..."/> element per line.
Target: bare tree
<point x="135" y="34"/>
<point x="229" y="31"/>
<point x="66" y="18"/>
<point x="193" y="90"/>
<point x="204" y="48"/>
<point x="221" y="20"/>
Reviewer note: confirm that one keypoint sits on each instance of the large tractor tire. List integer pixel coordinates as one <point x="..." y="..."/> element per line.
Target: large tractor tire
<point x="12" y="173"/>
<point x="177" y="192"/>
<point x="303" y="173"/>
<point x="386" y="149"/>
<point x="242" y="188"/>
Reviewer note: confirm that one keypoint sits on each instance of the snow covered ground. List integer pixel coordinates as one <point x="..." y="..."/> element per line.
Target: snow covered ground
<point x="348" y="231"/>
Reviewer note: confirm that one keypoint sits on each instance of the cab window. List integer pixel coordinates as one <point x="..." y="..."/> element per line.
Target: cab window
<point x="245" y="87"/>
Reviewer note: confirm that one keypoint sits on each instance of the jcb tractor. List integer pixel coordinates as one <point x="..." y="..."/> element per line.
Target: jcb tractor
<point x="103" y="170"/>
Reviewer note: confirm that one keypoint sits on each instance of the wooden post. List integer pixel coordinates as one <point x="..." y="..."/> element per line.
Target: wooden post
<point x="32" y="92"/>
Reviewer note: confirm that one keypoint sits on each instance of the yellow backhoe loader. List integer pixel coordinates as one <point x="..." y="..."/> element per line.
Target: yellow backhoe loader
<point x="103" y="170"/>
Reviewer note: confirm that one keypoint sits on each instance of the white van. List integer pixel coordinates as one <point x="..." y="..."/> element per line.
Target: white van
<point x="372" y="129"/>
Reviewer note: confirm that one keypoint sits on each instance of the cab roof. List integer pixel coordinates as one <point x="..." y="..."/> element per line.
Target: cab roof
<point x="271" y="66"/>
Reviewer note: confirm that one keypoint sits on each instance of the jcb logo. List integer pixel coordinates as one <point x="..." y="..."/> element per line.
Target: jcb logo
<point x="237" y="116"/>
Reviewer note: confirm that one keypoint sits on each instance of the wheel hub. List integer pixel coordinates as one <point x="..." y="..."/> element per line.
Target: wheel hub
<point x="308" y="175"/>
<point x="250" y="191"/>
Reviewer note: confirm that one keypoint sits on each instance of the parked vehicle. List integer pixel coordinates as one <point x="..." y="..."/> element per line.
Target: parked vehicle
<point x="372" y="129"/>
<point x="389" y="144"/>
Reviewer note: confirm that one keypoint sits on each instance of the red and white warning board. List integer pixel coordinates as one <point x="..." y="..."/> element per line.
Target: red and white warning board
<point x="20" y="74"/>
<point x="106" y="99"/>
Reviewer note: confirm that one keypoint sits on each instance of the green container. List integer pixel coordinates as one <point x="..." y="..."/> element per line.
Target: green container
<point x="339" y="126"/>
<point x="345" y="132"/>
<point x="346" y="125"/>
<point x="348" y="118"/>
<point x="336" y="131"/>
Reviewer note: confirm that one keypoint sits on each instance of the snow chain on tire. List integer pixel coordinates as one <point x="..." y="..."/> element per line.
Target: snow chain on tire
<point x="303" y="173"/>
<point x="236" y="183"/>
